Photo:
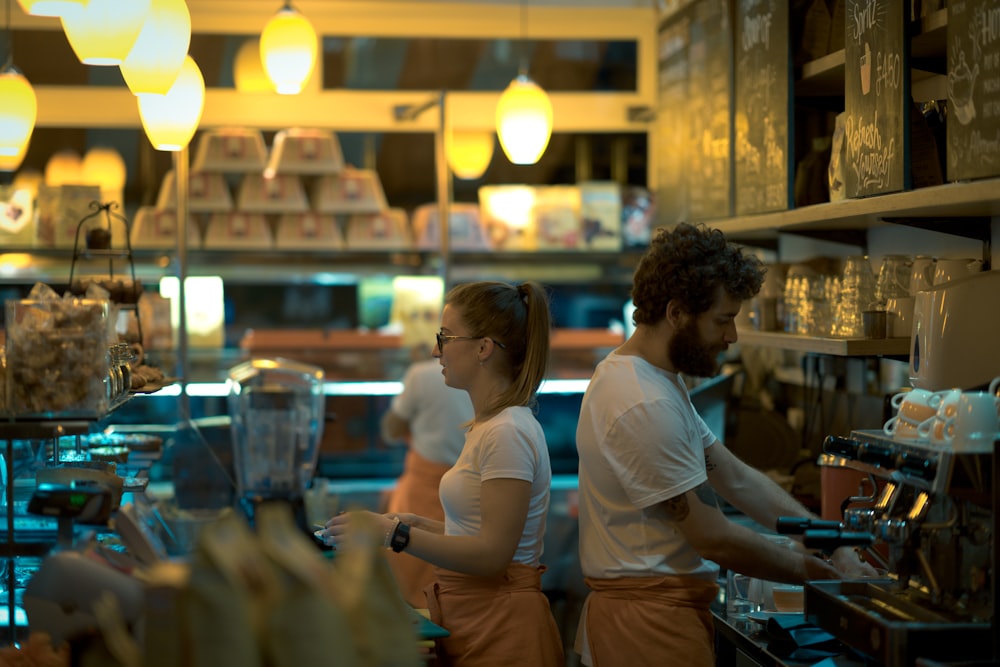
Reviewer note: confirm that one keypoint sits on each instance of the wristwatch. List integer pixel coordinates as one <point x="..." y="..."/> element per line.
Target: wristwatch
<point x="400" y="537"/>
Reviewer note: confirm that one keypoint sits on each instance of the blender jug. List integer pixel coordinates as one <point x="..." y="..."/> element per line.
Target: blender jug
<point x="276" y="407"/>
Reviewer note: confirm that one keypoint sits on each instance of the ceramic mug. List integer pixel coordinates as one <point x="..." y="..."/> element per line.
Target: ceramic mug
<point x="900" y="428"/>
<point x="940" y="429"/>
<point x="921" y="274"/>
<point x="946" y="270"/>
<point x="976" y="422"/>
<point x="915" y="405"/>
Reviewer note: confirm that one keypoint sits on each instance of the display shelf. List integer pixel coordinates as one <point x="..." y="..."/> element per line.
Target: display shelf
<point x="948" y="201"/>
<point x="841" y="347"/>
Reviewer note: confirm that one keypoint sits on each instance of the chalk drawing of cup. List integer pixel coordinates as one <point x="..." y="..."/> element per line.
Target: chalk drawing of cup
<point x="961" y="83"/>
<point x="866" y="70"/>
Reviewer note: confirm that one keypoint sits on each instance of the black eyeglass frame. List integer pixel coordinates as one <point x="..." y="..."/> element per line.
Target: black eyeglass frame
<point x="443" y="338"/>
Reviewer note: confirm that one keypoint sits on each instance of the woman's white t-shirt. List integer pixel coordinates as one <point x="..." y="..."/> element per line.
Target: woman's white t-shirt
<point x="510" y="445"/>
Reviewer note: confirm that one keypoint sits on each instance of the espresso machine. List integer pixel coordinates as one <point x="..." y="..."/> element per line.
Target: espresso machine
<point x="932" y="524"/>
<point x="277" y="411"/>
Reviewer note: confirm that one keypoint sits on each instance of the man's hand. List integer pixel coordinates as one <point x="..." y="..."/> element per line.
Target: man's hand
<point x="850" y="564"/>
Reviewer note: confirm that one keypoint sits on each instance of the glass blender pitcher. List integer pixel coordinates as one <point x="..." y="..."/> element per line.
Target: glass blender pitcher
<point x="276" y="407"/>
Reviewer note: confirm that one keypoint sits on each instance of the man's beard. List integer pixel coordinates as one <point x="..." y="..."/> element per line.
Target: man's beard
<point x="689" y="355"/>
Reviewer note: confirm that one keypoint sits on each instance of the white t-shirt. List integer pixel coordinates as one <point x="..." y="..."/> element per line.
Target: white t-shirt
<point x="435" y="412"/>
<point x="510" y="445"/>
<point x="640" y="442"/>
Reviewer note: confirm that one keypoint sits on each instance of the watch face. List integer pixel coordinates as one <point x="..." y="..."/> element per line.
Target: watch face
<point x="400" y="537"/>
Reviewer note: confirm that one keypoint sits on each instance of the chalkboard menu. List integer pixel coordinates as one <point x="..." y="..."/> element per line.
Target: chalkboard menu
<point x="671" y="124"/>
<point x="694" y="151"/>
<point x="708" y="109"/>
<point x="762" y="115"/>
<point x="973" y="89"/>
<point x="876" y="97"/>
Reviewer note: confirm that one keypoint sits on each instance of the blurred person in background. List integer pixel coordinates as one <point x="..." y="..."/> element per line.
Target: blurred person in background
<point x="429" y="416"/>
<point x="493" y="344"/>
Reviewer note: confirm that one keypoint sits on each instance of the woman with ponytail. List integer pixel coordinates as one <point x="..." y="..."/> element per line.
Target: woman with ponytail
<point x="494" y="344"/>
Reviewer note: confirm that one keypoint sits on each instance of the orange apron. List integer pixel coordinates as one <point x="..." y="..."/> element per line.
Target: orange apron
<point x="639" y="621"/>
<point x="495" y="622"/>
<point x="416" y="492"/>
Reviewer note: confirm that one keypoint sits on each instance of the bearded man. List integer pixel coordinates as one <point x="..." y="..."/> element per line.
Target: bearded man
<point x="652" y="536"/>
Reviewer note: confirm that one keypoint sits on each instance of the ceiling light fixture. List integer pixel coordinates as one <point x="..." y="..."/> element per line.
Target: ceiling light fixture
<point x="64" y="168"/>
<point x="170" y="120"/>
<point x="49" y="7"/>
<point x="288" y="48"/>
<point x="248" y="72"/>
<point x="524" y="113"/>
<point x="102" y="32"/>
<point x="18" y="108"/>
<point x="156" y="58"/>
<point x="105" y="167"/>
<point x="469" y="152"/>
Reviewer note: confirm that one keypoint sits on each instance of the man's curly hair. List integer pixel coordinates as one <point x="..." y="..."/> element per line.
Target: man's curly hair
<point x="690" y="263"/>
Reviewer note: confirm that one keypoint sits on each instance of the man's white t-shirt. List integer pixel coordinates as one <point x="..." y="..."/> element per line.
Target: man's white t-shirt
<point x="510" y="445"/>
<point x="435" y="412"/>
<point x="640" y="442"/>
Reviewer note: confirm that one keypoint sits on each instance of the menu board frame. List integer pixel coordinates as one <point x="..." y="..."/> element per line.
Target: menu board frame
<point x="973" y="125"/>
<point x="763" y="120"/>
<point x="876" y="97"/>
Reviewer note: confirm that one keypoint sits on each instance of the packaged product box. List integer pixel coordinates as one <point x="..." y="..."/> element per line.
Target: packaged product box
<point x="231" y="149"/>
<point x="153" y="229"/>
<point x="17" y="217"/>
<point x="282" y="193"/>
<point x="508" y="216"/>
<point x="238" y="230"/>
<point x="556" y="215"/>
<point x="308" y="231"/>
<point x="305" y="151"/>
<point x="386" y="230"/>
<point x="350" y="191"/>
<point x="208" y="192"/>
<point x="601" y="215"/>
<point x="465" y="227"/>
<point x="59" y="212"/>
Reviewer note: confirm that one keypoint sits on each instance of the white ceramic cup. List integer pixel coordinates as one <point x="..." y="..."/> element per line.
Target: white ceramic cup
<point x="900" y="428"/>
<point x="915" y="405"/>
<point x="940" y="429"/>
<point x="921" y="274"/>
<point x="976" y="421"/>
<point x="900" y="316"/>
<point x="946" y="270"/>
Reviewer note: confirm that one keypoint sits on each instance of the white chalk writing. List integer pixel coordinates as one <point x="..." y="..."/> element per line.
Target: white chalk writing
<point x="990" y="24"/>
<point x="984" y="150"/>
<point x="757" y="31"/>
<point x="888" y="70"/>
<point x="864" y="16"/>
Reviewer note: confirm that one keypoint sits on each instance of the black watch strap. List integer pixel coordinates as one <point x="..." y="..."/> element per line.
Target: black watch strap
<point x="400" y="537"/>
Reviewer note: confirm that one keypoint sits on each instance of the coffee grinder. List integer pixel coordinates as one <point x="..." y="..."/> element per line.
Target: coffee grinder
<point x="276" y="407"/>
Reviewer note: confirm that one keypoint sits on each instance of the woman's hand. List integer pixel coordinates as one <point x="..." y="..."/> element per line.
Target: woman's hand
<point x="341" y="529"/>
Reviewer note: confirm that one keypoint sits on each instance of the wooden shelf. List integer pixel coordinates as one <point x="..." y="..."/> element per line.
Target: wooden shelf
<point x="951" y="200"/>
<point x="841" y="347"/>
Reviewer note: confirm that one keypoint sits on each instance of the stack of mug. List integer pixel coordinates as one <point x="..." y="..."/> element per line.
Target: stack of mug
<point x="960" y="421"/>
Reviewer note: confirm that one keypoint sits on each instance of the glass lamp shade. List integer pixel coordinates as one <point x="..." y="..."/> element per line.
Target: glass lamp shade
<point x="28" y="179"/>
<point x="158" y="53"/>
<point x="170" y="120"/>
<point x="524" y="121"/>
<point x="64" y="168"/>
<point x="49" y="7"/>
<point x="288" y="50"/>
<point x="248" y="72"/>
<point x="18" y="112"/>
<point x="104" y="31"/>
<point x="105" y="167"/>
<point x="468" y="152"/>
<point x="12" y="162"/>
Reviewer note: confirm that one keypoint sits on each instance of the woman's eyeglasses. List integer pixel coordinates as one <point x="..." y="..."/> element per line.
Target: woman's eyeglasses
<point x="443" y="338"/>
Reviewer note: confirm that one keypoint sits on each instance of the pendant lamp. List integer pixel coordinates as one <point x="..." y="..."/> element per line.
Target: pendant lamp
<point x="524" y="120"/>
<point x="18" y="112"/>
<point x="64" y="168"/>
<point x="49" y="7"/>
<point x="170" y="120"/>
<point x="248" y="72"/>
<point x="288" y="48"/>
<point x="105" y="167"/>
<point x="468" y="152"/>
<point x="28" y="179"/>
<point x="158" y="53"/>
<point x="104" y="31"/>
